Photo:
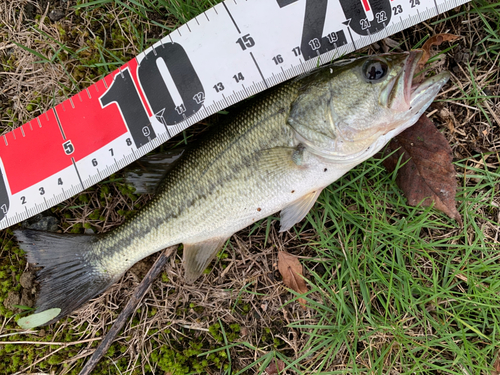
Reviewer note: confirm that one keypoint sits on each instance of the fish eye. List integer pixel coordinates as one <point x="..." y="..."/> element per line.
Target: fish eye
<point x="375" y="70"/>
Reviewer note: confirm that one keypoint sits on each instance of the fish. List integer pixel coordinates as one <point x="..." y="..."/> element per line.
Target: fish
<point x="277" y="154"/>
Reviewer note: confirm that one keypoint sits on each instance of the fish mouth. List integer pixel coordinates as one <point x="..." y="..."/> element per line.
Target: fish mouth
<point x="408" y="72"/>
<point x="409" y="93"/>
<point x="425" y="92"/>
<point x="420" y="91"/>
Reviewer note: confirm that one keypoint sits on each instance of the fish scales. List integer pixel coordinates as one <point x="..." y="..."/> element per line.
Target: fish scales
<point x="209" y="182"/>
<point x="277" y="154"/>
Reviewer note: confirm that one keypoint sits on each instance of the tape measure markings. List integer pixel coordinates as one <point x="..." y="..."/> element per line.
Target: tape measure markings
<point x="236" y="50"/>
<point x="232" y="19"/>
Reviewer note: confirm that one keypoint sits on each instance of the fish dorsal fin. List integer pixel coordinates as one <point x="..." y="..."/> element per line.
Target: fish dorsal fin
<point x="297" y="210"/>
<point x="147" y="173"/>
<point x="198" y="255"/>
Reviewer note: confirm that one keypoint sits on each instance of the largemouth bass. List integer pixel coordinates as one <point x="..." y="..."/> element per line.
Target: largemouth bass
<point x="276" y="155"/>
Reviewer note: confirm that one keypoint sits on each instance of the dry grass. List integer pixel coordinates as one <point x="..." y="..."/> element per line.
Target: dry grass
<point x="244" y="288"/>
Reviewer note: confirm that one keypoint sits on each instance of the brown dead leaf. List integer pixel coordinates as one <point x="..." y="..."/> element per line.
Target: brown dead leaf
<point x="435" y="40"/>
<point x="275" y="367"/>
<point x="428" y="173"/>
<point x="496" y="366"/>
<point x="291" y="271"/>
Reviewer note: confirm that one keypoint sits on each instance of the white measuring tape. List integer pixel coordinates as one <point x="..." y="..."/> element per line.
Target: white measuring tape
<point x="226" y="54"/>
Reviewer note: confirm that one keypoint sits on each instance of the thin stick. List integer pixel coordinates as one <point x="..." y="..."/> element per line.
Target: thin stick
<point x="49" y="343"/>
<point x="139" y="293"/>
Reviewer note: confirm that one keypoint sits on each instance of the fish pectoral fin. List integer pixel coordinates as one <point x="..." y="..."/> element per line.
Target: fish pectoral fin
<point x="297" y="210"/>
<point x="198" y="255"/>
<point x="277" y="161"/>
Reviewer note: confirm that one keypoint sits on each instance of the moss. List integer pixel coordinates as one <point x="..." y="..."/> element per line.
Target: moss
<point x="177" y="362"/>
<point x="152" y="312"/>
<point x="232" y="332"/>
<point x="83" y="198"/>
<point x="61" y="30"/>
<point x="95" y="215"/>
<point x="54" y="359"/>
<point x="277" y="342"/>
<point x="77" y="228"/>
<point x="104" y="191"/>
<point x="12" y="265"/>
<point x="242" y="308"/>
<point x="15" y="357"/>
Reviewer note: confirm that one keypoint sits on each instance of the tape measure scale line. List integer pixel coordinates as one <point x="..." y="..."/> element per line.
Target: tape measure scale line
<point x="234" y="50"/>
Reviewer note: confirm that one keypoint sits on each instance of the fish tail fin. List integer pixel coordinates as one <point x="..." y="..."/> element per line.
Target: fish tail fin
<point x="69" y="276"/>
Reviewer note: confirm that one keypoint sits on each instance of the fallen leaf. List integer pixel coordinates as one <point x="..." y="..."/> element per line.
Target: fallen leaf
<point x="496" y="365"/>
<point x="275" y="367"/>
<point x="291" y="271"/>
<point x="435" y="40"/>
<point x="243" y="331"/>
<point x="428" y="174"/>
<point x="38" y="319"/>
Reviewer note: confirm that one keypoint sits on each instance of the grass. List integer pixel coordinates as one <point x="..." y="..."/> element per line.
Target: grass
<point x="393" y="288"/>
<point x="387" y="295"/>
<point x="421" y="302"/>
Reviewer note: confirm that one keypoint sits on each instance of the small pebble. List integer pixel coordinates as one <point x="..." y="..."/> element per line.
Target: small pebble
<point x="56" y="15"/>
<point x="26" y="280"/>
<point x="42" y="221"/>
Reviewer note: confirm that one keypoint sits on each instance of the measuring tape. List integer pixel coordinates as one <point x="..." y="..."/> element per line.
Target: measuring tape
<point x="226" y="54"/>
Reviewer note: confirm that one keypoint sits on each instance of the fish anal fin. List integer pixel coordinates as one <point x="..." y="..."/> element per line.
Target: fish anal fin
<point x="297" y="210"/>
<point x="198" y="255"/>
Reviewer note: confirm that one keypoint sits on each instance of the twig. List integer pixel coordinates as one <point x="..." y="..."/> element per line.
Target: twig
<point x="196" y="328"/>
<point x="7" y="46"/>
<point x="27" y="332"/>
<point x="139" y="293"/>
<point x="49" y="343"/>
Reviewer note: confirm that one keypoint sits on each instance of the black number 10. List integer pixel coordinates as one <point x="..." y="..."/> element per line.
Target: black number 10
<point x="124" y="93"/>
